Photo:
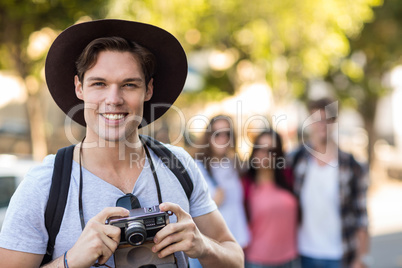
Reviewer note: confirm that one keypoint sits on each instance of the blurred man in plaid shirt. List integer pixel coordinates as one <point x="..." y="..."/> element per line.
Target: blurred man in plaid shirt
<point x="331" y="186"/>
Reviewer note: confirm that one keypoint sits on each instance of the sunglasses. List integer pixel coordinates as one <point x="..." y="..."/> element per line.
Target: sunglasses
<point x="128" y="201"/>
<point x="218" y="134"/>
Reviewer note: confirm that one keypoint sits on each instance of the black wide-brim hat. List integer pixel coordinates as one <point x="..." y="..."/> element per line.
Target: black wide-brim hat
<point x="171" y="63"/>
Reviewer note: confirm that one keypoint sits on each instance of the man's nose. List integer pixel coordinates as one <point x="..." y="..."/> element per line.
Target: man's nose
<point x="114" y="96"/>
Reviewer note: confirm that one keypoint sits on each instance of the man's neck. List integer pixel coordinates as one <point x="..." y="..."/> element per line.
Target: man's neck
<point x="115" y="162"/>
<point x="116" y="153"/>
<point x="327" y="151"/>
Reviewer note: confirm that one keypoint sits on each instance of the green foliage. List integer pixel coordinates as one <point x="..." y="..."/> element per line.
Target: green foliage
<point x="374" y="52"/>
<point x="20" y="19"/>
<point x="209" y="94"/>
<point x="298" y="40"/>
<point x="27" y="29"/>
<point x="380" y="41"/>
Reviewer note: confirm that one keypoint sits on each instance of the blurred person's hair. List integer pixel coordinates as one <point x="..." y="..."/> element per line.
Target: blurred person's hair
<point x="322" y="104"/>
<point x="280" y="179"/>
<point x="204" y="153"/>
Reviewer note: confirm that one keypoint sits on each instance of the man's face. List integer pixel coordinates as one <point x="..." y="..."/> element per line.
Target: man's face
<point x="114" y="92"/>
<point x="322" y="128"/>
<point x="221" y="137"/>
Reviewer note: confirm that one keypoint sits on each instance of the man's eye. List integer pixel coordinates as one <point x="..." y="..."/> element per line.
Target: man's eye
<point x="130" y="85"/>
<point x="98" y="84"/>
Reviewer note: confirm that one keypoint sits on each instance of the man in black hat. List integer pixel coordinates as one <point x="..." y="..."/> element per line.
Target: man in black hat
<point x="114" y="77"/>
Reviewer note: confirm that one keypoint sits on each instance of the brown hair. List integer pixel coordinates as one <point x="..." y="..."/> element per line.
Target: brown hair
<point x="89" y="55"/>
<point x="205" y="152"/>
<point x="277" y="148"/>
<point x="322" y="104"/>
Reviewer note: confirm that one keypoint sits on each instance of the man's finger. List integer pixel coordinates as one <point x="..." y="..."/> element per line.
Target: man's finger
<point x="107" y="253"/>
<point x="166" y="241"/>
<point x="106" y="213"/>
<point x="112" y="232"/>
<point x="176" y="209"/>
<point x="111" y="244"/>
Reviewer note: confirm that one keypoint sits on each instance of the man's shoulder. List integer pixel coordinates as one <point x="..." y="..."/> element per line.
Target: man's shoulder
<point x="45" y="165"/>
<point x="179" y="152"/>
<point x="295" y="154"/>
<point x="295" y="150"/>
<point x="174" y="148"/>
<point x="348" y="160"/>
<point x="41" y="173"/>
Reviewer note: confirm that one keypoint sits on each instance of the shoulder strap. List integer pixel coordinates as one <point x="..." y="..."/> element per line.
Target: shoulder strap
<point x="172" y="162"/>
<point x="57" y="197"/>
<point x="297" y="155"/>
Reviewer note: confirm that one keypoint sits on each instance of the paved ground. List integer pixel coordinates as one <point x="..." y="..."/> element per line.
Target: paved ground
<point x="387" y="250"/>
<point x="385" y="212"/>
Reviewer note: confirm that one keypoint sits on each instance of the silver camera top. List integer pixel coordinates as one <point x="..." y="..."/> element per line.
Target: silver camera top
<point x="141" y="225"/>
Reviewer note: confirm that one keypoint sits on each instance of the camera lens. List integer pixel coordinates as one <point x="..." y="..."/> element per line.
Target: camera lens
<point x="136" y="233"/>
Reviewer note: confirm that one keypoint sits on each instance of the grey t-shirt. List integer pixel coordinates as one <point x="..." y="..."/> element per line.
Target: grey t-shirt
<point x="24" y="228"/>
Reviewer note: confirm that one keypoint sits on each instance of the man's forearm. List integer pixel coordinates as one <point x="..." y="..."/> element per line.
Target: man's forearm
<point x="225" y="254"/>
<point x="56" y="263"/>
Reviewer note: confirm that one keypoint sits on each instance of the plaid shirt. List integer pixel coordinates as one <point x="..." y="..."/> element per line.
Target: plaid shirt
<point x="353" y="184"/>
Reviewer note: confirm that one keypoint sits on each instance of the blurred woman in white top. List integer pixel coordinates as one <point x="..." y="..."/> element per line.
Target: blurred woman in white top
<point x="216" y="158"/>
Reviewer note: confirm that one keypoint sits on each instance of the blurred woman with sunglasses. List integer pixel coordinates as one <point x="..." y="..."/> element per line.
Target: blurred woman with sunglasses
<point x="216" y="159"/>
<point x="271" y="206"/>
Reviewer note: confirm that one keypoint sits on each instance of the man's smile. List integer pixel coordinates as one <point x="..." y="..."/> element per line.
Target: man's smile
<point x="116" y="116"/>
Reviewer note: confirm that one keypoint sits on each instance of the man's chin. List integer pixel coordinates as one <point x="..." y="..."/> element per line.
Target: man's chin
<point x="324" y="141"/>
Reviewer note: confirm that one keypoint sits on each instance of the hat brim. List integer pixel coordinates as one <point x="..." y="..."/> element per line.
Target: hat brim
<point x="171" y="64"/>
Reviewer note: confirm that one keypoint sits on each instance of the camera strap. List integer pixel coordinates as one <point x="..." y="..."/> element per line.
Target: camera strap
<point x="80" y="192"/>
<point x="151" y="164"/>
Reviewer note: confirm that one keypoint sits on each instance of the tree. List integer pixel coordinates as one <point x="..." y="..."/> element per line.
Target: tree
<point x="27" y="29"/>
<point x="298" y="40"/>
<point x="374" y="52"/>
<point x="287" y="43"/>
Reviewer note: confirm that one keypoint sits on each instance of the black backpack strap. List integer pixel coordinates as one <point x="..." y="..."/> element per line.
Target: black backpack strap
<point x="172" y="162"/>
<point x="57" y="197"/>
<point x="297" y="156"/>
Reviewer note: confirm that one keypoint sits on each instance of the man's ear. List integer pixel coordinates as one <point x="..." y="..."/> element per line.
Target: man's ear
<point x="78" y="88"/>
<point x="150" y="90"/>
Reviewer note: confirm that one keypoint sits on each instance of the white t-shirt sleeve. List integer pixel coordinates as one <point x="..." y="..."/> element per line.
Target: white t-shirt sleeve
<point x="24" y="226"/>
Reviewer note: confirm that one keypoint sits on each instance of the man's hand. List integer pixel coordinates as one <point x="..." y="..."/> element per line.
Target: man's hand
<point x="180" y="236"/>
<point x="206" y="237"/>
<point x="357" y="264"/>
<point x="98" y="241"/>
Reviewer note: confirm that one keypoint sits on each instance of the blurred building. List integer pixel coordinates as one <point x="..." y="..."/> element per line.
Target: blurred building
<point x="388" y="148"/>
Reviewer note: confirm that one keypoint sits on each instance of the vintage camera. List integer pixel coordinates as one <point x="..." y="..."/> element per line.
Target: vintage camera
<point x="137" y="233"/>
<point x="141" y="225"/>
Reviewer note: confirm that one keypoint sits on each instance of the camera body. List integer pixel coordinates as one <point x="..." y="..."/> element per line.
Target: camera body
<point x="141" y="225"/>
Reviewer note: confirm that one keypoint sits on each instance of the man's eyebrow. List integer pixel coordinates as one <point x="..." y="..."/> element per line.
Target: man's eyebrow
<point x="96" y="79"/>
<point x="132" y="79"/>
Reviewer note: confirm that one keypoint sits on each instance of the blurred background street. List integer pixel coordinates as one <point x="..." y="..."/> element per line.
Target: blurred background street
<point x="386" y="224"/>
